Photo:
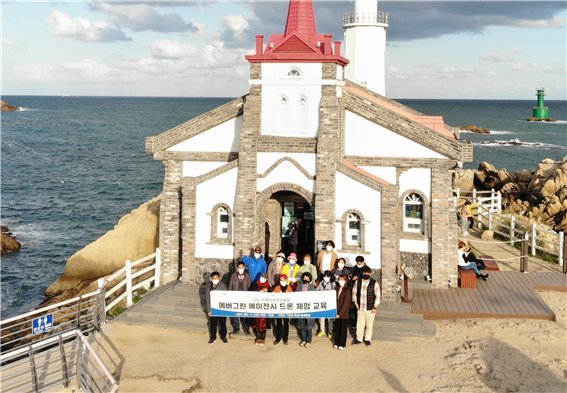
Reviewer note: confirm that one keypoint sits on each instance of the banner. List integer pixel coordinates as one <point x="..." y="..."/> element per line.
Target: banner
<point x="311" y="304"/>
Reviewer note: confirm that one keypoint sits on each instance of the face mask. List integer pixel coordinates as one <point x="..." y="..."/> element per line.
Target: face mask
<point x="360" y="264"/>
<point x="306" y="281"/>
<point x="341" y="266"/>
<point x="307" y="262"/>
<point x="366" y="276"/>
<point x="262" y="280"/>
<point x="283" y="283"/>
<point x="292" y="262"/>
<point x="329" y="248"/>
<point x="240" y="271"/>
<point x="342" y="283"/>
<point x="327" y="279"/>
<point x="279" y="259"/>
<point x="257" y="255"/>
<point x="215" y="281"/>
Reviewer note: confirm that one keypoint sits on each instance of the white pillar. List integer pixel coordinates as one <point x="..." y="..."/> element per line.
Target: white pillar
<point x="157" y="276"/>
<point x="512" y="230"/>
<point x="561" y="240"/>
<point x="534" y="229"/>
<point x="129" y="301"/>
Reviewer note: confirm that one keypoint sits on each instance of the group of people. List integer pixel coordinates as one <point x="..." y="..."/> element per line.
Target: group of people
<point x="354" y="288"/>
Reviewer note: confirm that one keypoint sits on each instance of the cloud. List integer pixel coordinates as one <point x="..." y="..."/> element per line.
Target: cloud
<point x="83" y="29"/>
<point x="502" y="57"/>
<point x="7" y="42"/>
<point x="140" y="17"/>
<point x="168" y="49"/>
<point x="436" y="72"/>
<point x="236" y="31"/>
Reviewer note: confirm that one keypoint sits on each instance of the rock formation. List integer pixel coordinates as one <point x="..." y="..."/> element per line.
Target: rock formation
<point x="135" y="236"/>
<point x="9" y="242"/>
<point x="475" y="129"/>
<point x="540" y="195"/>
<point x="4" y="106"/>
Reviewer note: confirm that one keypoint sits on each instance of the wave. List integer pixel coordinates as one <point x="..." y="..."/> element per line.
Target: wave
<point x="24" y="109"/>
<point x="492" y="132"/>
<point x="518" y="143"/>
<point x="499" y="132"/>
<point x="545" y="122"/>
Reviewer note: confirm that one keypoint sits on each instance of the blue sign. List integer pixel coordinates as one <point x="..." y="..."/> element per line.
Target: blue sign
<point x="42" y="324"/>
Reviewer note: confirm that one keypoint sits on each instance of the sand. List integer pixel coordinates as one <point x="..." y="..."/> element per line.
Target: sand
<point x="482" y="355"/>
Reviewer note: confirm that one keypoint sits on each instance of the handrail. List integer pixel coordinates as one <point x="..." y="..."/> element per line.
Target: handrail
<point x="100" y="363"/>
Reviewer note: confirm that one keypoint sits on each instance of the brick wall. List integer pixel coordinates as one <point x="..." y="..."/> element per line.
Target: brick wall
<point x="441" y="229"/>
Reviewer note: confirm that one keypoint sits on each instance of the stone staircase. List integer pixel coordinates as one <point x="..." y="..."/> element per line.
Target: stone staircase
<point x="180" y="306"/>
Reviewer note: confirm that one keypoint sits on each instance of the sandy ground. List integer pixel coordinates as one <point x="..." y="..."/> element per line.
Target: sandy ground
<point x="465" y="356"/>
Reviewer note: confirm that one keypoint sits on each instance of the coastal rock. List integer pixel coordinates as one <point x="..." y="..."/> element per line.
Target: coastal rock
<point x="135" y="236"/>
<point x="464" y="180"/>
<point x="475" y="129"/>
<point x="5" y="107"/>
<point x="487" y="235"/>
<point x="505" y="177"/>
<point x="9" y="243"/>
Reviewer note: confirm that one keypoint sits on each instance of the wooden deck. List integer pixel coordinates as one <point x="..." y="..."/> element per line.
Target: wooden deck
<point x="506" y="294"/>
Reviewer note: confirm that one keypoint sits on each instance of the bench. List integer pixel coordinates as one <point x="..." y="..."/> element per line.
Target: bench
<point x="490" y="263"/>
<point x="467" y="278"/>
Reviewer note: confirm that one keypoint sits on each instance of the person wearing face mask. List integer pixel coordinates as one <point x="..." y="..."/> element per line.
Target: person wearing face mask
<point x="326" y="284"/>
<point x="305" y="325"/>
<point x="291" y="269"/>
<point x="366" y="298"/>
<point x="256" y="264"/>
<point x="327" y="258"/>
<point x="260" y="324"/>
<point x="344" y="300"/>
<point x="239" y="281"/>
<point x="275" y="269"/>
<point x="308" y="266"/>
<point x="216" y="322"/>
<point x="357" y="269"/>
<point x="341" y="269"/>
<point x="281" y="331"/>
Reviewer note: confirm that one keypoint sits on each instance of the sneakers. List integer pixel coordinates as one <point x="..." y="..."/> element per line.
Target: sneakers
<point x="257" y="341"/>
<point x="285" y="342"/>
<point x="367" y="343"/>
<point x="307" y="345"/>
<point x="330" y="336"/>
<point x="321" y="333"/>
<point x="336" y="346"/>
<point x="224" y="340"/>
<point x="212" y="340"/>
<point x="341" y="348"/>
<point x="234" y="333"/>
<point x="277" y="342"/>
<point x="302" y="343"/>
<point x="356" y="342"/>
<point x="262" y="342"/>
<point x="247" y="332"/>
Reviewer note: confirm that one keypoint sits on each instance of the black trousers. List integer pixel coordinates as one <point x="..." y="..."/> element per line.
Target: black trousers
<point x="340" y="332"/>
<point x="282" y="329"/>
<point x="219" y="322"/>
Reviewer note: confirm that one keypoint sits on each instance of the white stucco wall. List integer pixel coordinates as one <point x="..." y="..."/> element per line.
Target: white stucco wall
<point x="364" y="138"/>
<point x="222" y="138"/>
<point x="198" y="168"/>
<point x="286" y="172"/>
<point x="387" y="173"/>
<point x="220" y="189"/>
<point x="416" y="179"/>
<point x="419" y="246"/>
<point x="275" y="84"/>
<point x="353" y="195"/>
<point x="306" y="160"/>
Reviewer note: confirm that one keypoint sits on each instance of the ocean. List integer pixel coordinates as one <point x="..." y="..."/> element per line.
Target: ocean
<point x="72" y="166"/>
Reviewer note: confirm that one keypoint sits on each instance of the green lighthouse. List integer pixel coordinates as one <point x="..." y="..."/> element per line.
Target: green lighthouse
<point x="540" y="112"/>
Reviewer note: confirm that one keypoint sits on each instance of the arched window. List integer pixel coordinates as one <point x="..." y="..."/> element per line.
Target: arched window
<point x="284" y="118"/>
<point x="413" y="213"/>
<point x="294" y="73"/>
<point x="303" y="113"/>
<point x="221" y="224"/>
<point x="353" y="230"/>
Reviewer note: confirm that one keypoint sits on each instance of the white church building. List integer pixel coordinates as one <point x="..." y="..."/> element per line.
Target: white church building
<point x="315" y="138"/>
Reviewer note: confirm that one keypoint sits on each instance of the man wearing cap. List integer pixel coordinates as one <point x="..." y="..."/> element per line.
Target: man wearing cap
<point x="256" y="264"/>
<point x="275" y="269"/>
<point x="281" y="332"/>
<point x="291" y="269"/>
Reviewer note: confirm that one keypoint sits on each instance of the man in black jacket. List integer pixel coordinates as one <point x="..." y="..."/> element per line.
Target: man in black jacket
<point x="216" y="322"/>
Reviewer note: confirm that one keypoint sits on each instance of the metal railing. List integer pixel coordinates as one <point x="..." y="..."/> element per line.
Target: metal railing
<point x="369" y="18"/>
<point x="86" y="312"/>
<point x="513" y="229"/>
<point x="55" y="361"/>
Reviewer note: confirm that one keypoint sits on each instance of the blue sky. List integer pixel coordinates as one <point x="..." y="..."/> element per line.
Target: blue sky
<point x="458" y="49"/>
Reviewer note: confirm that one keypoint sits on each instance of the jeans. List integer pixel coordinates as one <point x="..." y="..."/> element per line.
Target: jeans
<point x="329" y="324"/>
<point x="219" y="322"/>
<point x="464" y="226"/>
<point x="472" y="266"/>
<point x="235" y="322"/>
<point x="305" y="330"/>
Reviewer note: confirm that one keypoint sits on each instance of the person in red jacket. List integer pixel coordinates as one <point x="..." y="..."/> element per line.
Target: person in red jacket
<point x="260" y="324"/>
<point x="344" y="299"/>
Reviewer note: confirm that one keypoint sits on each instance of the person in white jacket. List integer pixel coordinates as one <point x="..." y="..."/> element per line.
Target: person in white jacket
<point x="464" y="264"/>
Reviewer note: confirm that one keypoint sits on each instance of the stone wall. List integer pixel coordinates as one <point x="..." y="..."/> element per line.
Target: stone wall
<point x="419" y="262"/>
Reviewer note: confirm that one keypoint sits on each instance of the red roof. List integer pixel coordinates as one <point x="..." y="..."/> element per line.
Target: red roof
<point x="300" y="41"/>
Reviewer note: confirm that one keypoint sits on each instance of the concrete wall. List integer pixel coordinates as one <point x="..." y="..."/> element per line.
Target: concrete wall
<point x="224" y="137"/>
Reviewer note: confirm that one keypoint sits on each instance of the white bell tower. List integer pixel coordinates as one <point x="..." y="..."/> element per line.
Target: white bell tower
<point x="365" y="42"/>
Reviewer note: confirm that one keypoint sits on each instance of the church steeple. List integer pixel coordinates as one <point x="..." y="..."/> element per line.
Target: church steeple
<point x="301" y="19"/>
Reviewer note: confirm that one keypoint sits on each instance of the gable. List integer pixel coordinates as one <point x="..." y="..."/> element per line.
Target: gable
<point x="224" y="137"/>
<point x="365" y="138"/>
<point x="293" y="44"/>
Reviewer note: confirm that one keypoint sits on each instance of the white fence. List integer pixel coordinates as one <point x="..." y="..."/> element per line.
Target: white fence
<point x="88" y="311"/>
<point x="491" y="200"/>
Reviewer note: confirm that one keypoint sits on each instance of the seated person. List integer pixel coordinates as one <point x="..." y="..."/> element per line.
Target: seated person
<point x="464" y="264"/>
<point x="470" y="257"/>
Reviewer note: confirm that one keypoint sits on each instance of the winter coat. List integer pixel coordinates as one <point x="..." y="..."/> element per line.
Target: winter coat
<point x="255" y="266"/>
<point x="273" y="274"/>
<point x="311" y="269"/>
<point x="233" y="283"/>
<point x="291" y="273"/>
<point x="334" y="258"/>
<point x="220" y="287"/>
<point x="344" y="300"/>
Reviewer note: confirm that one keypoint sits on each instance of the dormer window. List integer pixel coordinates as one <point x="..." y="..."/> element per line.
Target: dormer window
<point x="294" y="73"/>
<point x="283" y="100"/>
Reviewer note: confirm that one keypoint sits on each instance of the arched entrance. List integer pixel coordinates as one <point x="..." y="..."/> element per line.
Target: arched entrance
<point x="280" y="209"/>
